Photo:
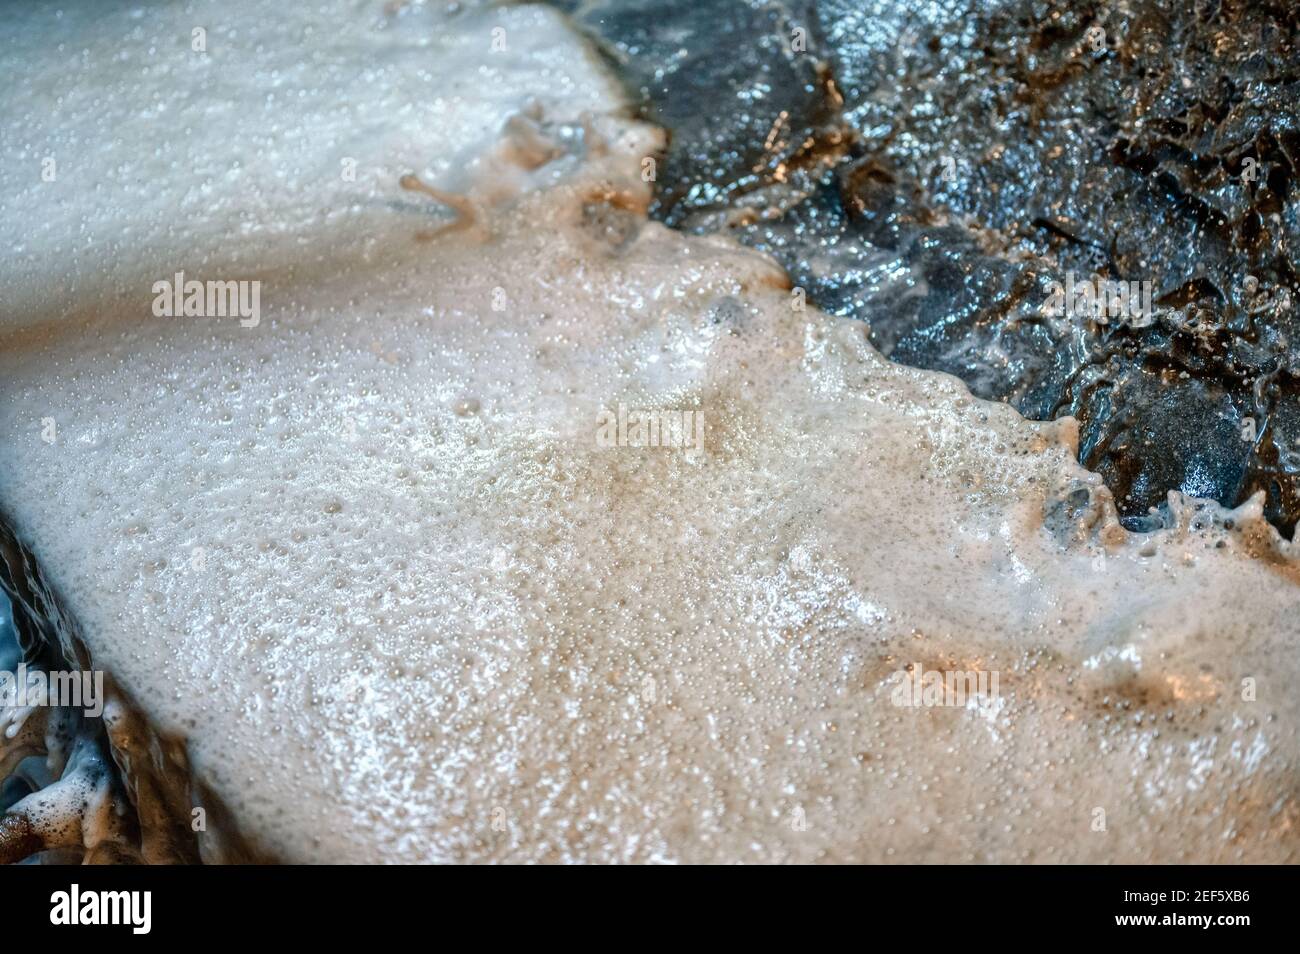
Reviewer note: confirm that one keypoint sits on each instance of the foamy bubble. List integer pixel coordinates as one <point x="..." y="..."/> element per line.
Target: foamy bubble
<point x="423" y="634"/>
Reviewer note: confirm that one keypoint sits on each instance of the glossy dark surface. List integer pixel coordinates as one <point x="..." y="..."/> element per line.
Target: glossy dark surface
<point x="932" y="169"/>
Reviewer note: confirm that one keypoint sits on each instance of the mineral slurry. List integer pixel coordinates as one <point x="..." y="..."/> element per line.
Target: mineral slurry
<point x="524" y="514"/>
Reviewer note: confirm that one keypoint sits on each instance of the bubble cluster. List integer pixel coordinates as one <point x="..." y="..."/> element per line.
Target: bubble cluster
<point x="436" y="620"/>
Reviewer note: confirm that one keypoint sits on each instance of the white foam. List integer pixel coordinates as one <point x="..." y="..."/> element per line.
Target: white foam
<point x="370" y="560"/>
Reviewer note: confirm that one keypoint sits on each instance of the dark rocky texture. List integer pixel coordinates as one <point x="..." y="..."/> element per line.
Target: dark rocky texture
<point x="932" y="168"/>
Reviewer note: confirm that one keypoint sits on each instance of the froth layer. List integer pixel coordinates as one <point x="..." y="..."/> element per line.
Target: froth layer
<point x="379" y="562"/>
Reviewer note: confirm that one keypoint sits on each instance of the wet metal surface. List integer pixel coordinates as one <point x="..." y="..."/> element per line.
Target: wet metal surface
<point x="934" y="168"/>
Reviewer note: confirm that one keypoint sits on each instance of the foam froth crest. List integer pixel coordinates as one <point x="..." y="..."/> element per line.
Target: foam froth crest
<point x="375" y="544"/>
